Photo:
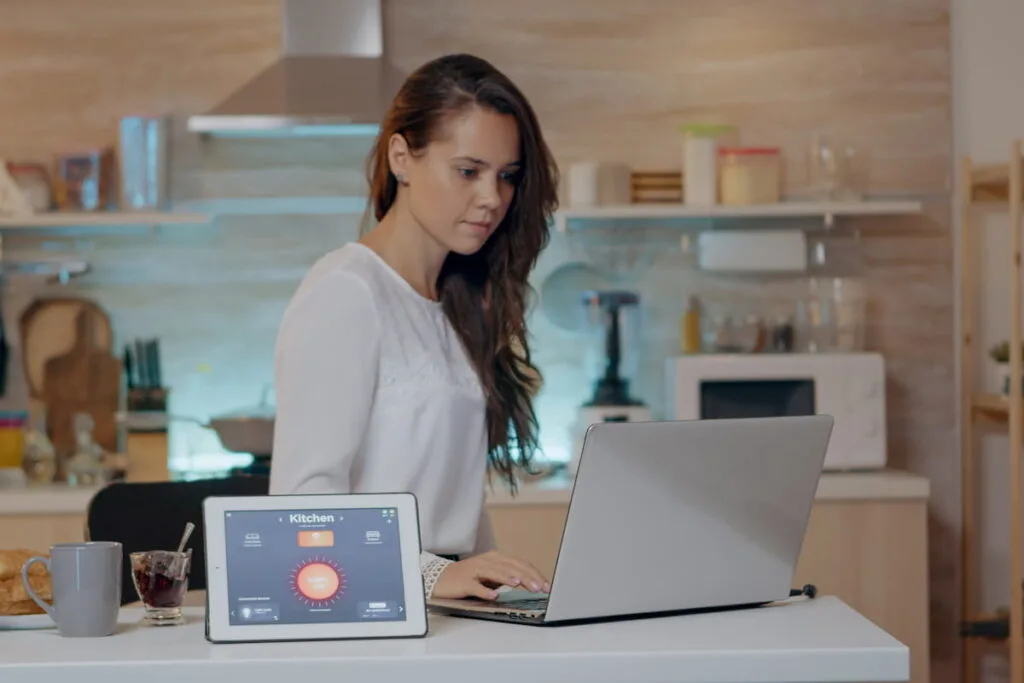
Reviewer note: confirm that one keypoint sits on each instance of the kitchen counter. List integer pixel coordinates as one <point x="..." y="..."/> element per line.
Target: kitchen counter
<point x="52" y="499"/>
<point x="866" y="540"/>
<point x="59" y="499"/>
<point x="803" y="641"/>
<point x="881" y="485"/>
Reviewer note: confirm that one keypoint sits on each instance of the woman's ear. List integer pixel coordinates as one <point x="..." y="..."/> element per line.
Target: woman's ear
<point x="398" y="157"/>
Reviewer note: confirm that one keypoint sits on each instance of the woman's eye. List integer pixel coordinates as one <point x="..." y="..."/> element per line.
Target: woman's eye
<point x="467" y="172"/>
<point x="510" y="176"/>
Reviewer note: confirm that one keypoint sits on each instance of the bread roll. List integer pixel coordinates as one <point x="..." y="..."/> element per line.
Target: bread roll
<point x="19" y="609"/>
<point x="14" y="599"/>
<point x="13" y="590"/>
<point x="11" y="562"/>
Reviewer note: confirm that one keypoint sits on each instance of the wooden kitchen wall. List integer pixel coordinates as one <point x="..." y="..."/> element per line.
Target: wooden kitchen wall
<point x="611" y="80"/>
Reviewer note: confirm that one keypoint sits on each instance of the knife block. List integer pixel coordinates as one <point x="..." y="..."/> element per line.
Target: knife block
<point x="147" y="399"/>
<point x="146" y="445"/>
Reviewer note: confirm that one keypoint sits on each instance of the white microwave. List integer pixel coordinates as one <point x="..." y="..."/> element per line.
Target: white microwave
<point x="848" y="386"/>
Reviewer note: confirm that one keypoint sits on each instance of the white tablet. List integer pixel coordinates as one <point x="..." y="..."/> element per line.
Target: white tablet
<point x="313" y="567"/>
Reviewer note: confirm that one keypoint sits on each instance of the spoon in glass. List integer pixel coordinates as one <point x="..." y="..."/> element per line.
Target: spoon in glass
<point x="189" y="528"/>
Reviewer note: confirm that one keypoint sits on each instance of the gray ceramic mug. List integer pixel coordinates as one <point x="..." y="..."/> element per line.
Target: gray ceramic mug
<point x="86" y="586"/>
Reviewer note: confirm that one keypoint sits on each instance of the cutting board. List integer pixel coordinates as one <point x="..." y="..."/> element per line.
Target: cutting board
<point x="47" y="328"/>
<point x="84" y="379"/>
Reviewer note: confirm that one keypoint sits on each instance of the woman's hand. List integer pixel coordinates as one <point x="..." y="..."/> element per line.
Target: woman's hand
<point x="478" y="576"/>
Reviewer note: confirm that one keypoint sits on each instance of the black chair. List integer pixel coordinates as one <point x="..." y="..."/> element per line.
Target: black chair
<point x="152" y="516"/>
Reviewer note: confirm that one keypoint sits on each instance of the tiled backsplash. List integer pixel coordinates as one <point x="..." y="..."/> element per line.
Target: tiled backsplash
<point x="214" y="294"/>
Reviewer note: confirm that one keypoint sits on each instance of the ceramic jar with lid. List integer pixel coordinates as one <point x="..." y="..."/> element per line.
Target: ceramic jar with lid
<point x="750" y="175"/>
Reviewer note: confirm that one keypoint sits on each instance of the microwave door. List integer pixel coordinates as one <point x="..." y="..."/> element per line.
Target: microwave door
<point x="728" y="399"/>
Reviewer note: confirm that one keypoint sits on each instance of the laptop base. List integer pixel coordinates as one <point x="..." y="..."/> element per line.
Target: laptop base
<point x="538" y="618"/>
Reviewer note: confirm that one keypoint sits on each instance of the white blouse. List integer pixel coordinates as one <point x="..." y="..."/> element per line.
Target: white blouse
<point x="375" y="393"/>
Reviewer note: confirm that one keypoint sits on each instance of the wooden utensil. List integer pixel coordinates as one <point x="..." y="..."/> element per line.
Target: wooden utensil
<point x="86" y="379"/>
<point x="47" y="329"/>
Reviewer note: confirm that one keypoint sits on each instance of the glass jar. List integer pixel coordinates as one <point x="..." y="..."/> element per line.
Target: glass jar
<point x="86" y="467"/>
<point x="12" y="425"/>
<point x="39" y="458"/>
<point x="850" y="303"/>
<point x="831" y="316"/>
<point x="750" y="175"/>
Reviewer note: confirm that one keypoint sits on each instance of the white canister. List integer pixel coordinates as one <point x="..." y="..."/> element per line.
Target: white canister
<point x="700" y="163"/>
<point x="593" y="183"/>
<point x="585" y="184"/>
<point x="614" y="181"/>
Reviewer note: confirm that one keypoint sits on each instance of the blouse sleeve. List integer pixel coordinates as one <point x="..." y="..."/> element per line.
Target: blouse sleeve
<point x="325" y="377"/>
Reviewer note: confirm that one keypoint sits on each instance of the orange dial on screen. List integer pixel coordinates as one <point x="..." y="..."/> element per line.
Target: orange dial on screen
<point x="318" y="582"/>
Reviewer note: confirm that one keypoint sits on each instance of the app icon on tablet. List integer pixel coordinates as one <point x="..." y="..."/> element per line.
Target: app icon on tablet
<point x="316" y="539"/>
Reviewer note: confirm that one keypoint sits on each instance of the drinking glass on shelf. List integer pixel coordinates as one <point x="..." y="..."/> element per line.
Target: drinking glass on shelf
<point x="833" y="170"/>
<point x="161" y="579"/>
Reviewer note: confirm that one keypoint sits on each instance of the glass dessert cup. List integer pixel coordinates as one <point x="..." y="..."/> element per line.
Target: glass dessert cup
<point x="161" y="579"/>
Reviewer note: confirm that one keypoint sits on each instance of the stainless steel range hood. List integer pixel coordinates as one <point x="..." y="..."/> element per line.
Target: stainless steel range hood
<point x="333" y="78"/>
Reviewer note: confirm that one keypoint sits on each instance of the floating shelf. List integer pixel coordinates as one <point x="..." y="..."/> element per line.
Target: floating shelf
<point x="789" y="209"/>
<point x="990" y="183"/>
<point x="281" y="206"/>
<point x="992" y="406"/>
<point x="993" y="627"/>
<point x="61" y="219"/>
<point x="201" y="211"/>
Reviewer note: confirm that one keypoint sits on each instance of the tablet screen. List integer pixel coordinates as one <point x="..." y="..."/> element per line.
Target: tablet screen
<point x="313" y="567"/>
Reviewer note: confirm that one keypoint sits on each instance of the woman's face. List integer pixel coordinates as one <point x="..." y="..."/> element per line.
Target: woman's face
<point x="460" y="186"/>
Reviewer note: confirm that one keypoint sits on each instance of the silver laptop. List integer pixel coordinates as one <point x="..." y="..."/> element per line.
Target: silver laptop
<point x="669" y="517"/>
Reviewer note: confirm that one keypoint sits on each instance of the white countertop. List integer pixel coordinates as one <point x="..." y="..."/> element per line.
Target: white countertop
<point x="804" y="641"/>
<point x="58" y="499"/>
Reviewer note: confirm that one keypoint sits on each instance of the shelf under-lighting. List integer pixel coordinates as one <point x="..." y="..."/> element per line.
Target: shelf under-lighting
<point x="69" y="219"/>
<point x="785" y="209"/>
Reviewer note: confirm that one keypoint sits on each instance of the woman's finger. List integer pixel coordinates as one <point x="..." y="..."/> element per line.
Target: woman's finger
<point x="478" y="590"/>
<point x="497" y="573"/>
<point x="530" y="577"/>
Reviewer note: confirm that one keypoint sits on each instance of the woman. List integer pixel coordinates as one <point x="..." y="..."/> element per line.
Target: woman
<point x="402" y="362"/>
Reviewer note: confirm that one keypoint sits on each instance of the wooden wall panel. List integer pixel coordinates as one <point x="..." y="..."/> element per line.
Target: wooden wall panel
<point x="611" y="80"/>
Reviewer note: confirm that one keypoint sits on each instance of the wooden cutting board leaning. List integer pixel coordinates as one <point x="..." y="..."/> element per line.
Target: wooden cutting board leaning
<point x="66" y="355"/>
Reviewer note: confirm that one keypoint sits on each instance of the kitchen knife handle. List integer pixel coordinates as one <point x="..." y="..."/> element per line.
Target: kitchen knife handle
<point x="128" y="367"/>
<point x="154" y="366"/>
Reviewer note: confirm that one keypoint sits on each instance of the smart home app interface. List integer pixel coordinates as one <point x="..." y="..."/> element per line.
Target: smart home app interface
<point x="319" y="566"/>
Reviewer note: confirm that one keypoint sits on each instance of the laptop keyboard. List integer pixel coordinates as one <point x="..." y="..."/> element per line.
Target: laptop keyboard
<point x="526" y="603"/>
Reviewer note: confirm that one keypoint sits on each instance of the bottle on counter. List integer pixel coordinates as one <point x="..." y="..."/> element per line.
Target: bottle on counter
<point x="86" y="466"/>
<point x="782" y="334"/>
<point x="690" y="339"/>
<point x="39" y="458"/>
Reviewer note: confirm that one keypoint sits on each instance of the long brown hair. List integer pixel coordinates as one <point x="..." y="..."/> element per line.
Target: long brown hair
<point x="484" y="294"/>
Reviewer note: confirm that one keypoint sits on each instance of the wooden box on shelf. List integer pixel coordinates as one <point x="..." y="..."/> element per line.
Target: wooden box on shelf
<point x="656" y="187"/>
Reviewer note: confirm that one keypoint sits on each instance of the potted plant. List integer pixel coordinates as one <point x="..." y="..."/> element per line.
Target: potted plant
<point x="1000" y="353"/>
